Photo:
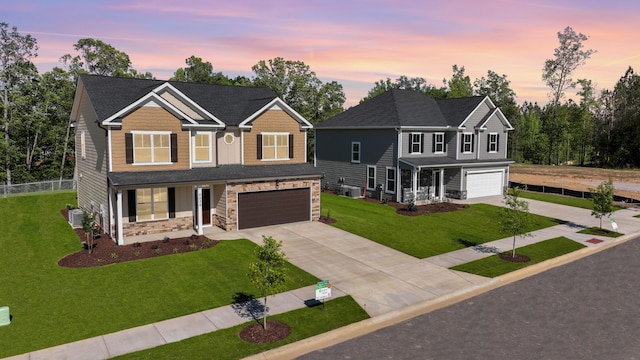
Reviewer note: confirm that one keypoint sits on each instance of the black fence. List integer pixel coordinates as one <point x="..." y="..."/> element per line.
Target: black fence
<point x="567" y="192"/>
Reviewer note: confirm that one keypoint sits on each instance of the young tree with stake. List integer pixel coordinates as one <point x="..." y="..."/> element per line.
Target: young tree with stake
<point x="269" y="274"/>
<point x="602" y="199"/>
<point x="516" y="216"/>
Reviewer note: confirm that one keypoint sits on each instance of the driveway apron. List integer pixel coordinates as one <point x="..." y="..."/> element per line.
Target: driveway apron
<point x="380" y="279"/>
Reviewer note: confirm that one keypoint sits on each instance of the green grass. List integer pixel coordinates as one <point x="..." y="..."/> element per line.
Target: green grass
<point x="601" y="232"/>
<point x="425" y="235"/>
<point x="562" y="200"/>
<point x="493" y="266"/>
<point x="51" y="305"/>
<point x="226" y="344"/>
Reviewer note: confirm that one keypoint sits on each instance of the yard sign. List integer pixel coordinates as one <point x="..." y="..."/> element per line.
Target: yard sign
<point x="323" y="290"/>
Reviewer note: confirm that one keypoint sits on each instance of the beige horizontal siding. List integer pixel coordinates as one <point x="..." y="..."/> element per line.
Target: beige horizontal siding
<point x="274" y="121"/>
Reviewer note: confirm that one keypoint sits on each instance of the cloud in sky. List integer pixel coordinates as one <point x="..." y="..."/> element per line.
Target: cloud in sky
<point x="354" y="42"/>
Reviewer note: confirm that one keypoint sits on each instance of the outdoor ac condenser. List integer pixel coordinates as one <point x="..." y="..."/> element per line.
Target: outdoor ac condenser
<point x="75" y="217"/>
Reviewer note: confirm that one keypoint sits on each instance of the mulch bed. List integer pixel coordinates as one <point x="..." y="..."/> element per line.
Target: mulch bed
<point x="106" y="251"/>
<point x="255" y="333"/>
<point x="422" y="209"/>
<point x="507" y="256"/>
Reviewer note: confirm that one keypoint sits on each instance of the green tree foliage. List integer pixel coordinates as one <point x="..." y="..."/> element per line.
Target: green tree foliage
<point x="459" y="84"/>
<point x="602" y="198"/>
<point x="16" y="52"/>
<point x="99" y="58"/>
<point x="269" y="274"/>
<point x="516" y="219"/>
<point x="625" y="137"/>
<point x="198" y="71"/>
<point x="557" y="74"/>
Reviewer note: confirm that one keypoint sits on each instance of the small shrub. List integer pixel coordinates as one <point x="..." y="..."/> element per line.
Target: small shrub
<point x="99" y="259"/>
<point x="114" y="255"/>
<point x="193" y="247"/>
<point x="411" y="205"/>
<point x="157" y="251"/>
<point x="176" y="250"/>
<point x="137" y="253"/>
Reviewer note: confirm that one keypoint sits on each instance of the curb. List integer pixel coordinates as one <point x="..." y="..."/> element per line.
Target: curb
<point x="394" y="317"/>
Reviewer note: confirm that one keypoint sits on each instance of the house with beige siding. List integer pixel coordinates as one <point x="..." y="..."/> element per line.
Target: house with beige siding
<point x="159" y="156"/>
<point x="405" y="146"/>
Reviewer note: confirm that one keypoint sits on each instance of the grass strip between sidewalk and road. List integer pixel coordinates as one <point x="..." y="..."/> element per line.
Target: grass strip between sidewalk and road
<point x="562" y="200"/>
<point x="493" y="265"/>
<point x="425" y="235"/>
<point x="226" y="344"/>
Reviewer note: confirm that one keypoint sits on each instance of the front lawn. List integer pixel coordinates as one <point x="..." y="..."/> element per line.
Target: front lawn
<point x="226" y="344"/>
<point x="51" y="305"/>
<point x="425" y="235"/>
<point x="562" y="200"/>
<point x="493" y="265"/>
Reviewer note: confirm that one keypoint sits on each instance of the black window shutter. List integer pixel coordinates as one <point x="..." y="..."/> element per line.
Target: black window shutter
<point x="259" y="147"/>
<point x="174" y="147"/>
<point x="172" y="202"/>
<point x="410" y="143"/>
<point x="422" y="143"/>
<point x="462" y="143"/>
<point x="473" y="142"/>
<point x="433" y="143"/>
<point x="131" y="200"/>
<point x="488" y="142"/>
<point x="128" y="145"/>
<point x="498" y="142"/>
<point x="290" y="146"/>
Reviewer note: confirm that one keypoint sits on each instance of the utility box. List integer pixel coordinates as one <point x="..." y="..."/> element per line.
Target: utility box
<point x="5" y="316"/>
<point x="75" y="217"/>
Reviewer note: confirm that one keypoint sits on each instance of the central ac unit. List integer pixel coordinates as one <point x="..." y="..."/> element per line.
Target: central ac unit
<point x="75" y="217"/>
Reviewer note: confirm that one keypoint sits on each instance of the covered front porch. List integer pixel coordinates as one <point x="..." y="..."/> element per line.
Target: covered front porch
<point x="422" y="185"/>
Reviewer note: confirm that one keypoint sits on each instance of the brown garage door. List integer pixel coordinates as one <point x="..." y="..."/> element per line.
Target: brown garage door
<point x="273" y="207"/>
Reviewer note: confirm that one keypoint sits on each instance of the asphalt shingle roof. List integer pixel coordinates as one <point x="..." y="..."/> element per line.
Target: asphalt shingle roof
<point x="405" y="108"/>
<point x="230" y="104"/>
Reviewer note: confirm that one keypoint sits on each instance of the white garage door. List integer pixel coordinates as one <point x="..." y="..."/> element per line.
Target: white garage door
<point x="484" y="184"/>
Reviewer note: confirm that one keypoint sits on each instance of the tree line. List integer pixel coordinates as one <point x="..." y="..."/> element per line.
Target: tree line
<point x="597" y="130"/>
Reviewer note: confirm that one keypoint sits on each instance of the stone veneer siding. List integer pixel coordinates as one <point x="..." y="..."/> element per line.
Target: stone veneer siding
<point x="157" y="227"/>
<point x="231" y="223"/>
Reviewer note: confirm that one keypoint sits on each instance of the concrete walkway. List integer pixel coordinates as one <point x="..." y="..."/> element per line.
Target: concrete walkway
<point x="382" y="280"/>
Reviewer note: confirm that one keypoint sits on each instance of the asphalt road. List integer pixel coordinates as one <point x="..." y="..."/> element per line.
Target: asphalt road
<point x="587" y="309"/>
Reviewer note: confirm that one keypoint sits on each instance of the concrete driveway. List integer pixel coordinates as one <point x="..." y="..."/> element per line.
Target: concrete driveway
<point x="379" y="278"/>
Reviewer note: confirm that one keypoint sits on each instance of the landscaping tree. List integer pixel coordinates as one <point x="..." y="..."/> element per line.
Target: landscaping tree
<point x="516" y="216"/>
<point x="602" y="198"/>
<point x="269" y="273"/>
<point x="89" y="225"/>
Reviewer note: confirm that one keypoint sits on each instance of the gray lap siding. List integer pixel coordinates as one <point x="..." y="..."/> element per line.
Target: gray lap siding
<point x="333" y="155"/>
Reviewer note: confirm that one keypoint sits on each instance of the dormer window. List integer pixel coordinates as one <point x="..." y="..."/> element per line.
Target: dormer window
<point x="467" y="143"/>
<point x="492" y="143"/>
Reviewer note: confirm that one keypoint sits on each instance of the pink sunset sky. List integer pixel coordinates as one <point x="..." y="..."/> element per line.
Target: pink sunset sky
<point x="353" y="42"/>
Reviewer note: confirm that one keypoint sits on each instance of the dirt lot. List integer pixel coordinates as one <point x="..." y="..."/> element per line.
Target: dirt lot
<point x="626" y="182"/>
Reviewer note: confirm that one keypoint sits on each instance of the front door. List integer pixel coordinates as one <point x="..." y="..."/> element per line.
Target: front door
<point x="206" y="206"/>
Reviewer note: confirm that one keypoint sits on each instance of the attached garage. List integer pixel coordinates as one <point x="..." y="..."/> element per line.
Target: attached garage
<point x="485" y="183"/>
<point x="274" y="207"/>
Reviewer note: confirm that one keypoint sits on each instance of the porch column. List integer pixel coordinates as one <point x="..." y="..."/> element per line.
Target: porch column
<point x="414" y="184"/>
<point x="199" y="210"/>
<point x="119" y="235"/>
<point x="441" y="174"/>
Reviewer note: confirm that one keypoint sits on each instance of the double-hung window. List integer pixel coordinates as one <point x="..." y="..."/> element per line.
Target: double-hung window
<point x="492" y="144"/>
<point x="355" y="151"/>
<point x="275" y="146"/>
<point x="438" y="143"/>
<point x="467" y="143"/>
<point x="151" y="148"/>
<point x="390" y="184"/>
<point x="152" y="204"/>
<point x="202" y="147"/>
<point x="415" y="143"/>
<point x="371" y="177"/>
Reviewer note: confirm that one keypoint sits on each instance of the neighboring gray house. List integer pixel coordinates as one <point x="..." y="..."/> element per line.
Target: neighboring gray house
<point x="403" y="144"/>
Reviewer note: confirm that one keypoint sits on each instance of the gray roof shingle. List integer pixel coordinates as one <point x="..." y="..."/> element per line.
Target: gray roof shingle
<point x="404" y="108"/>
<point x="230" y="104"/>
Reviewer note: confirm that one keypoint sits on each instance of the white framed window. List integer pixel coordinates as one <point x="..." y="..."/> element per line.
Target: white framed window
<point x="390" y="183"/>
<point x="202" y="147"/>
<point x="492" y="144"/>
<point x="371" y="177"/>
<point x="83" y="149"/>
<point x="467" y="143"/>
<point x="151" y="147"/>
<point x="152" y="204"/>
<point x="415" y="143"/>
<point x="438" y="143"/>
<point x="355" y="152"/>
<point x="275" y="146"/>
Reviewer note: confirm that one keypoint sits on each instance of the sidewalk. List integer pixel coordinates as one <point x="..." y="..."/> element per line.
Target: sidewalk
<point x="403" y="284"/>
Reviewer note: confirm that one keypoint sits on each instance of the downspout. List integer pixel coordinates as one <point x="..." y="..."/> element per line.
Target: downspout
<point x="398" y="185"/>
